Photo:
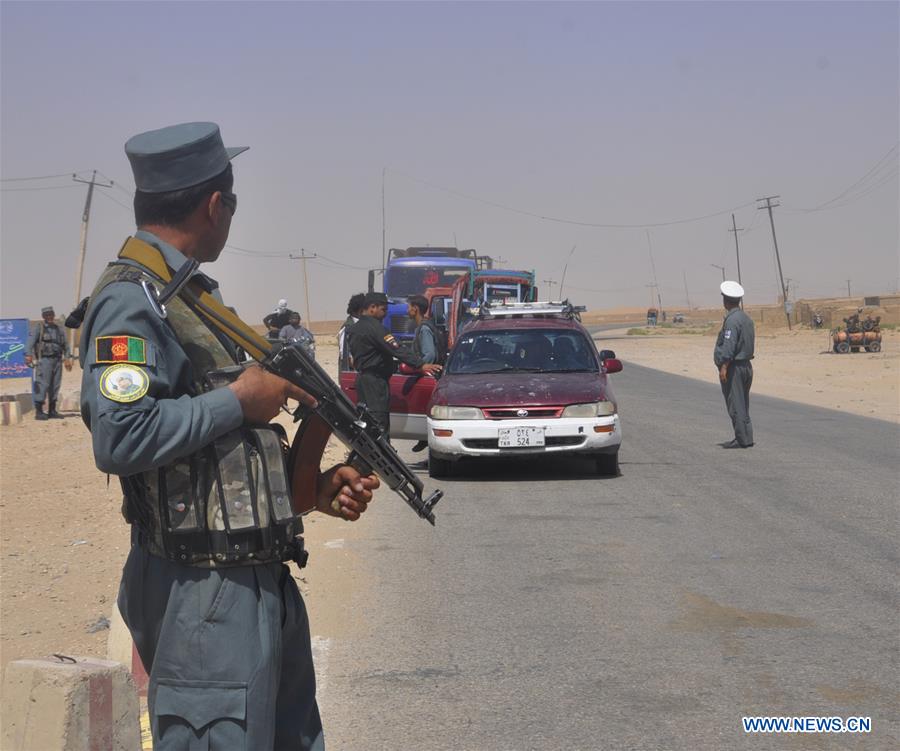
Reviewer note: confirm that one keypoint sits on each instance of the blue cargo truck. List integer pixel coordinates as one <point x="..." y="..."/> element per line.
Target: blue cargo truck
<point x="412" y="271"/>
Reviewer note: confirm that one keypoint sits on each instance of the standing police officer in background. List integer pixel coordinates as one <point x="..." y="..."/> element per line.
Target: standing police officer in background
<point x="213" y="610"/>
<point x="374" y="350"/>
<point x="46" y="350"/>
<point x="732" y="356"/>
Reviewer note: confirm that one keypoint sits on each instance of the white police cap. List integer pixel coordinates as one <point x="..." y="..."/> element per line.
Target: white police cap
<point x="731" y="289"/>
<point x="178" y="156"/>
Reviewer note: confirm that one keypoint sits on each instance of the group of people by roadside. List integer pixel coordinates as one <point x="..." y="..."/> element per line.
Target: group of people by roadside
<point x="283" y="324"/>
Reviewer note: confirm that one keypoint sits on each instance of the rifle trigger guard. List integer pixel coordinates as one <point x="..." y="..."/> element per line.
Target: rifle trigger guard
<point x="153" y="297"/>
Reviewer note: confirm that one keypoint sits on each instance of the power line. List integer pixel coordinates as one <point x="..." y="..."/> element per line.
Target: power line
<point x="49" y="187"/>
<point x="880" y="180"/>
<point x="118" y="203"/>
<point x="36" y="177"/>
<point x="568" y="221"/>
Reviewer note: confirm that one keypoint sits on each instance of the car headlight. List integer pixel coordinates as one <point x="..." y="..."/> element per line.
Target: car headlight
<point x="593" y="409"/>
<point x="443" y="412"/>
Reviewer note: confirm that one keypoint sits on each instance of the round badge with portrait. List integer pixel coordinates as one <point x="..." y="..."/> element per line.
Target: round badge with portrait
<point x="124" y="383"/>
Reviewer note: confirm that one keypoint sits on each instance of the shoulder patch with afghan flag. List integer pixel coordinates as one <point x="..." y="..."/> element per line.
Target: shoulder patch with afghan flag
<point x="389" y="338"/>
<point x="131" y="349"/>
<point x="124" y="383"/>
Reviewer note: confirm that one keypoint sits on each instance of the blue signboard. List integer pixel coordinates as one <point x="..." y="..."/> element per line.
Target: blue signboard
<point x="13" y="338"/>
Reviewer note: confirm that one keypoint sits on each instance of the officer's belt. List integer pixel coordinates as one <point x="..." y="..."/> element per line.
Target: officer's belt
<point x="218" y="549"/>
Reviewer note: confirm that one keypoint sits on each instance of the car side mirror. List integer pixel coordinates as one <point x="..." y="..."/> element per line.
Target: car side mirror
<point x="612" y="365"/>
<point x="607" y="354"/>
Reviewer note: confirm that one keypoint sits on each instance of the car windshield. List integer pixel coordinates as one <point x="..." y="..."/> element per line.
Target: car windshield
<point x="522" y="350"/>
<point x="403" y="281"/>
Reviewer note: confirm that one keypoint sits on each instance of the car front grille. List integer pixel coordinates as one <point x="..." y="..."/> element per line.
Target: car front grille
<point x="512" y="413"/>
<point x="549" y="441"/>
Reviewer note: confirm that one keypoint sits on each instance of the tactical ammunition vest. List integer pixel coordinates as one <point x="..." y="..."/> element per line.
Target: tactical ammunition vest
<point x="229" y="503"/>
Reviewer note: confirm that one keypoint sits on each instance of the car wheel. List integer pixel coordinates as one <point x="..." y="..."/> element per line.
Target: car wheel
<point x="439" y="467"/>
<point x="874" y="347"/>
<point x="842" y="348"/>
<point x="608" y="464"/>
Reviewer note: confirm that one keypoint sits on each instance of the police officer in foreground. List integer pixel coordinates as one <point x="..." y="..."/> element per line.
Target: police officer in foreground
<point x="47" y="351"/>
<point x="732" y="356"/>
<point x="374" y="350"/>
<point x="213" y="610"/>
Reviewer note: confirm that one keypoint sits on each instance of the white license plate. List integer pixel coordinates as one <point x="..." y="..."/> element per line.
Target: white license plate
<point x="515" y="438"/>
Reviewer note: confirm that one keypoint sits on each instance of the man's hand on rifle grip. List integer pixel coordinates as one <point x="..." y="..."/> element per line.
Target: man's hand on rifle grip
<point x="343" y="492"/>
<point x="262" y="394"/>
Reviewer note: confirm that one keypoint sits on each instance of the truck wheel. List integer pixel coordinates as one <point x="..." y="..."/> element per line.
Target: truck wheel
<point x="842" y="348"/>
<point x="874" y="347"/>
<point x="439" y="467"/>
<point x="608" y="464"/>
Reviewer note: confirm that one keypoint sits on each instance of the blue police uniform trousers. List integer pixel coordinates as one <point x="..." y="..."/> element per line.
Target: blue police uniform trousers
<point x="228" y="654"/>
<point x="736" y="390"/>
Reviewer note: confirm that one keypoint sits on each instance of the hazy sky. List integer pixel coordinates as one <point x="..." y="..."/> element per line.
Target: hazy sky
<point x="486" y="116"/>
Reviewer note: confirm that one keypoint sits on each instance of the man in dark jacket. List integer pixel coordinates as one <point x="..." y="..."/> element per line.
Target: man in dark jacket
<point x="374" y="350"/>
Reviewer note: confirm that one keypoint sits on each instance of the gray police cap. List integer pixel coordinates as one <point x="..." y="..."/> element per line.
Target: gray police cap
<point x="48" y="309"/>
<point x="178" y="156"/>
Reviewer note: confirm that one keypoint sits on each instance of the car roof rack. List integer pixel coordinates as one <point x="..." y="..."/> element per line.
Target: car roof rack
<point x="549" y="309"/>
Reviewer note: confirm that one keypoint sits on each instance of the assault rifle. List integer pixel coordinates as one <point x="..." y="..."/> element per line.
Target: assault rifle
<point x="370" y="449"/>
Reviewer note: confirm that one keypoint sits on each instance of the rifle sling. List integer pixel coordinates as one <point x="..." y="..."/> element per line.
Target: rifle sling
<point x="215" y="313"/>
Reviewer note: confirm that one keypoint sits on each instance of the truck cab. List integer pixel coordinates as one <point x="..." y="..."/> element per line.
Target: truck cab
<point x="412" y="271"/>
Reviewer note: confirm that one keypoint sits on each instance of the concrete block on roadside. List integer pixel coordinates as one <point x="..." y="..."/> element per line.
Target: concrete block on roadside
<point x="78" y="705"/>
<point x="10" y="413"/>
<point x="70" y="402"/>
<point x="26" y="402"/>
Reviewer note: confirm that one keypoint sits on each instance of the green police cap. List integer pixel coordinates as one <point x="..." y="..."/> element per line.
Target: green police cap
<point x="178" y="156"/>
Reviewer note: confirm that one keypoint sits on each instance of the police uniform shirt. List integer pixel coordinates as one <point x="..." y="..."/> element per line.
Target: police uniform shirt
<point x="736" y="339"/>
<point x="161" y="418"/>
<point x="374" y="348"/>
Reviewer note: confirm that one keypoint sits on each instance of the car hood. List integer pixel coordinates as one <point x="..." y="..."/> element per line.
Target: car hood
<point x="520" y="389"/>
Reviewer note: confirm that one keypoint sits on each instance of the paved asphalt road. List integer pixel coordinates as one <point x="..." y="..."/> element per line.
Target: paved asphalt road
<point x="550" y="609"/>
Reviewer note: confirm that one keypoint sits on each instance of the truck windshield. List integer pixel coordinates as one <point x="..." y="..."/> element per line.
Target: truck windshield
<point x="403" y="281"/>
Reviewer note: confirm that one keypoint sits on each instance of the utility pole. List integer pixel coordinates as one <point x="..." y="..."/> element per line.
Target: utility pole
<point x="769" y="206"/>
<point x="565" y="268"/>
<point x="302" y="257"/>
<point x="848" y="289"/>
<point x="549" y="283"/>
<point x="737" y="249"/>
<point x="721" y="268"/>
<point x="85" y="220"/>
<point x="653" y="269"/>
<point x="686" y="293"/>
<point x="383" y="170"/>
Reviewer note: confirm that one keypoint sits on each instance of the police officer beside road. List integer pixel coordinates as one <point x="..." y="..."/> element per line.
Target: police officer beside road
<point x="213" y="610"/>
<point x="47" y="351"/>
<point x="374" y="350"/>
<point x="732" y="356"/>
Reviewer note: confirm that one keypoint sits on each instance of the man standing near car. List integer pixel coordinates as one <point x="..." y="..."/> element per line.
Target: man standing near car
<point x="374" y="350"/>
<point x="425" y="341"/>
<point x="732" y="356"/>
